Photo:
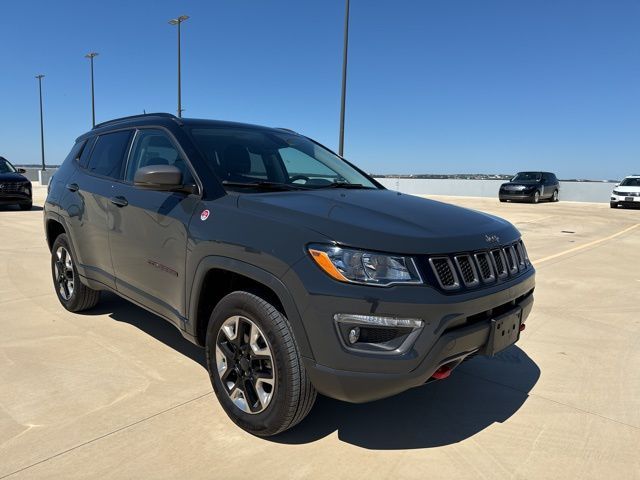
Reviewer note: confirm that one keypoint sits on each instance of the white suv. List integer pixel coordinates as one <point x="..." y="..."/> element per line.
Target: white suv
<point x="627" y="192"/>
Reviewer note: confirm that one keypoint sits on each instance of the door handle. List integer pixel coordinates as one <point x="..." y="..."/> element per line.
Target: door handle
<point x="72" y="187"/>
<point x="119" y="201"/>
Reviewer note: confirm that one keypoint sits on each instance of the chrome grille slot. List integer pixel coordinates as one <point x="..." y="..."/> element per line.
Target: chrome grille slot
<point x="445" y="273"/>
<point x="512" y="262"/>
<point x="484" y="266"/>
<point x="467" y="270"/>
<point x="500" y="263"/>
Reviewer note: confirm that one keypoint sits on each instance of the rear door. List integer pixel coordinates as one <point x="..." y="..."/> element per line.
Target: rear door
<point x="149" y="234"/>
<point x="92" y="188"/>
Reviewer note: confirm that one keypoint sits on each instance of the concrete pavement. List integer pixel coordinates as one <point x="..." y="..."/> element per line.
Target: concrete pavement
<point x="118" y="393"/>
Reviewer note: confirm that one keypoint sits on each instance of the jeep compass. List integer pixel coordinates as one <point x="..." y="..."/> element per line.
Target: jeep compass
<point x="297" y="272"/>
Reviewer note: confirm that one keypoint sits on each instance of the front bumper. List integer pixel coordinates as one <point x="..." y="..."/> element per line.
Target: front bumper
<point x="14" y="198"/>
<point x="627" y="201"/>
<point x="516" y="195"/>
<point x="455" y="326"/>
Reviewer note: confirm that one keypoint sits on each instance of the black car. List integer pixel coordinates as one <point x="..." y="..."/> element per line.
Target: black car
<point x="531" y="187"/>
<point x="296" y="271"/>
<point x="15" y="188"/>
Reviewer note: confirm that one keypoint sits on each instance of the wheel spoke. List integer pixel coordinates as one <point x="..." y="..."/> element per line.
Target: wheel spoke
<point x="242" y="331"/>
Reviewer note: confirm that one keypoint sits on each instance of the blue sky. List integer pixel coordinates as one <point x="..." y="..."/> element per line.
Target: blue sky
<point x="440" y="86"/>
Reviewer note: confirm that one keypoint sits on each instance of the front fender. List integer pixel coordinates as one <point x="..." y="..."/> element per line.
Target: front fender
<point x="257" y="274"/>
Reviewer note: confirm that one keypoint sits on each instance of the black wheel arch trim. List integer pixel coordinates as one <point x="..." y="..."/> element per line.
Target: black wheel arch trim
<point x="257" y="274"/>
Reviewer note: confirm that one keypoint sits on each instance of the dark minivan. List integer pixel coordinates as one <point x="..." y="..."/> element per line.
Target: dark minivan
<point x="296" y="271"/>
<point x="531" y="187"/>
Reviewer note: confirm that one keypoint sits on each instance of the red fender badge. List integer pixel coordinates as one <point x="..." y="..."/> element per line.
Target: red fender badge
<point x="204" y="215"/>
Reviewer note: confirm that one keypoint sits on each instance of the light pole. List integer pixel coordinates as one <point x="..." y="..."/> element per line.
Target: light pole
<point x="40" y="77"/>
<point x="178" y="21"/>
<point x="91" y="56"/>
<point x="344" y="78"/>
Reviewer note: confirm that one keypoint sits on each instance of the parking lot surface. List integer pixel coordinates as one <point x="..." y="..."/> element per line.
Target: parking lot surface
<point x="118" y="393"/>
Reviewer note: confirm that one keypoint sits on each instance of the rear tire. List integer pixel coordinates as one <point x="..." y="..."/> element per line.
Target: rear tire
<point x="72" y="293"/>
<point x="554" y="197"/>
<point x="250" y="343"/>
<point x="502" y="200"/>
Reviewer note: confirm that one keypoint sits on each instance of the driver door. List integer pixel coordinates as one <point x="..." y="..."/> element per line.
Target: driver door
<point x="149" y="229"/>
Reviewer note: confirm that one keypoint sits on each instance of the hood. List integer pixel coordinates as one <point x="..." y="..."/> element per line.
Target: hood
<point x="13" y="177"/>
<point x="383" y="220"/>
<point x="622" y="188"/>
<point x="525" y="183"/>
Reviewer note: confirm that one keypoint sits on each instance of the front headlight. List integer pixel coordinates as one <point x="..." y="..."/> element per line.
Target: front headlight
<point x="360" y="266"/>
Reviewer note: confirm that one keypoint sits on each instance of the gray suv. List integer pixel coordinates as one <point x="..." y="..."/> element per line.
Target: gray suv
<point x="296" y="271"/>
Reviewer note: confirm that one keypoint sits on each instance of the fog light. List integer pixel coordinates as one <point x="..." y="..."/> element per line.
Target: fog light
<point x="354" y="335"/>
<point x="378" y="321"/>
<point x="377" y="334"/>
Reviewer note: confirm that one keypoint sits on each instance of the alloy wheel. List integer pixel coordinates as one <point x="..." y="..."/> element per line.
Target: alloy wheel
<point x="63" y="271"/>
<point x="245" y="364"/>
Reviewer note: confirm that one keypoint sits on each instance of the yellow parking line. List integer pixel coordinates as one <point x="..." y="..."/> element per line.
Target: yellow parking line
<point x="587" y="245"/>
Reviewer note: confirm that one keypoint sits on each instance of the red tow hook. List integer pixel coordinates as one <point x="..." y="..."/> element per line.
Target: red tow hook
<point x="522" y="327"/>
<point x="442" y="372"/>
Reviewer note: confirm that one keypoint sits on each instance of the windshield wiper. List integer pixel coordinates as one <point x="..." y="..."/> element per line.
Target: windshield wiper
<point x="354" y="186"/>
<point x="264" y="185"/>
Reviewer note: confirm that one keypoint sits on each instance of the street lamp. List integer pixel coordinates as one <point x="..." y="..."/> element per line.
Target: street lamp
<point x="40" y="77"/>
<point x="178" y="21"/>
<point x="91" y="56"/>
<point x="344" y="78"/>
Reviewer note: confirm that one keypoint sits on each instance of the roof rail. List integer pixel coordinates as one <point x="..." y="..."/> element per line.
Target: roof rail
<point x="141" y="115"/>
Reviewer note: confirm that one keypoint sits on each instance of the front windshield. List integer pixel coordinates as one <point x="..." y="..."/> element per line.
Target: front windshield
<point x="6" y="167"/>
<point x="242" y="156"/>
<point x="630" y="182"/>
<point x="527" y="177"/>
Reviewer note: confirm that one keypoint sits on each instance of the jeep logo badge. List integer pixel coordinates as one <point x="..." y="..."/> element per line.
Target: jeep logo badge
<point x="492" y="238"/>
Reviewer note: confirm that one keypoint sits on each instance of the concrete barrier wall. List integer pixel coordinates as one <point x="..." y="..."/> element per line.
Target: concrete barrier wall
<point x="571" y="191"/>
<point x="32" y="173"/>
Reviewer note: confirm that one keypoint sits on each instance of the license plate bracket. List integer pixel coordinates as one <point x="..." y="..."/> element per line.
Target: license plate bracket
<point x="628" y="199"/>
<point x="505" y="331"/>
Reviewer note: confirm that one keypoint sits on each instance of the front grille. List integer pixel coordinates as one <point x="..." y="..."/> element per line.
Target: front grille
<point x="11" y="188"/>
<point x="483" y="267"/>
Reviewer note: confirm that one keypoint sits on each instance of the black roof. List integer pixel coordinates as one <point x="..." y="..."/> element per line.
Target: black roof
<point x="161" y="118"/>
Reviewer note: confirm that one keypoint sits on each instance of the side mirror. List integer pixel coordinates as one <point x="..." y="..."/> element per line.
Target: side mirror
<point x="22" y="170"/>
<point x="158" y="177"/>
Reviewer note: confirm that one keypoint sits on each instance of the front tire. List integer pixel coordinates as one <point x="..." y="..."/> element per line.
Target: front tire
<point x="255" y="366"/>
<point x="613" y="204"/>
<point x="26" y="206"/>
<point x="554" y="197"/>
<point x="72" y="293"/>
<point x="536" y="197"/>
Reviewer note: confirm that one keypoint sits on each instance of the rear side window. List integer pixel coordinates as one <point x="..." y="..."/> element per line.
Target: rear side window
<point x="86" y="151"/>
<point x="108" y="154"/>
<point x="75" y="152"/>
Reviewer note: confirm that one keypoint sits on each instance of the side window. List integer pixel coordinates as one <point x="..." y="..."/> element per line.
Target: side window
<point x="108" y="154"/>
<point x="299" y="163"/>
<point x="153" y="147"/>
<point x="86" y="151"/>
<point x="75" y="152"/>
